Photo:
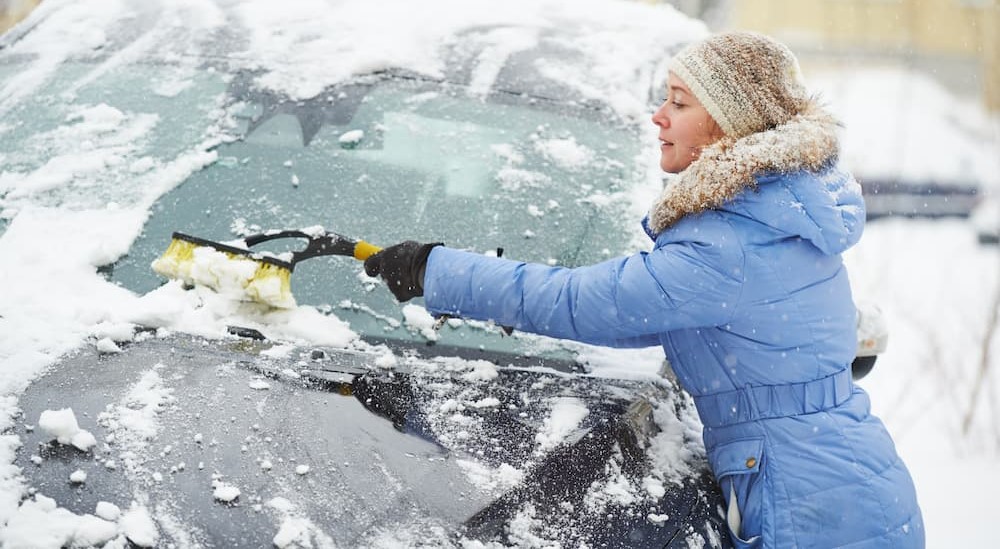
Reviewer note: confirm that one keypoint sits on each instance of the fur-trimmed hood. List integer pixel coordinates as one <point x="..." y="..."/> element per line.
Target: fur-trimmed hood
<point x="807" y="142"/>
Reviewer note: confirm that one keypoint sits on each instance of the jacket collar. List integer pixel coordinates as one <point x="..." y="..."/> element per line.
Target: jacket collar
<point x="728" y="167"/>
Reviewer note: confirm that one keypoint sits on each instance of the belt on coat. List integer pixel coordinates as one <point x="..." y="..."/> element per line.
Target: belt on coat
<point x="772" y="401"/>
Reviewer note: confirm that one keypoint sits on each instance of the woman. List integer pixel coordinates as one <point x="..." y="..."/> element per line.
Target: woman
<point x="745" y="291"/>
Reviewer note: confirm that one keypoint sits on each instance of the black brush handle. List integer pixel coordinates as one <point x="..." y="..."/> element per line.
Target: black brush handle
<point x="326" y="243"/>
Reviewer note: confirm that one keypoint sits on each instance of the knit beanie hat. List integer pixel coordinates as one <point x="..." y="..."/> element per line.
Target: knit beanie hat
<point x="748" y="82"/>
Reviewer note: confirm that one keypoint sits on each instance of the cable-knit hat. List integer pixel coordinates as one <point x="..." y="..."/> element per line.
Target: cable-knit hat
<point x="748" y="82"/>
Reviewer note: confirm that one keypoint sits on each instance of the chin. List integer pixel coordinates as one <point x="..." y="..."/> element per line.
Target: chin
<point x="670" y="167"/>
<point x="675" y="165"/>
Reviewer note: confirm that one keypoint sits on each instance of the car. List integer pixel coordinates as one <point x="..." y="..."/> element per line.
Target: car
<point x="221" y="444"/>
<point x="985" y="220"/>
<point x="152" y="413"/>
<point x="893" y="199"/>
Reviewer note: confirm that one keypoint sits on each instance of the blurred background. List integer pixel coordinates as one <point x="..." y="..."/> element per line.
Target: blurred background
<point x="12" y="11"/>
<point x="954" y="41"/>
<point x="916" y="83"/>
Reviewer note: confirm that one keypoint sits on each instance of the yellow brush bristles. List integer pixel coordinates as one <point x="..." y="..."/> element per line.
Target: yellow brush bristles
<point x="227" y="273"/>
<point x="176" y="261"/>
<point x="271" y="285"/>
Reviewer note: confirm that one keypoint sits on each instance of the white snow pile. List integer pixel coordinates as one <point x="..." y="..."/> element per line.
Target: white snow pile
<point x="614" y="489"/>
<point x="39" y="523"/>
<point x="493" y="479"/>
<point x="107" y="345"/>
<point x="564" y="418"/>
<point x="285" y="40"/>
<point x="565" y="152"/>
<point x="62" y="425"/>
<point x="134" y="421"/>
<point x="224" y="491"/>
<point x="296" y="530"/>
<point x="468" y="370"/>
<point x="351" y="138"/>
<point x="417" y="319"/>
<point x="259" y="384"/>
<point x="675" y="447"/>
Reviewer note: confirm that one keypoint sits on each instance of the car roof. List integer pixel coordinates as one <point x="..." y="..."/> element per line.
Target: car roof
<point x="543" y="48"/>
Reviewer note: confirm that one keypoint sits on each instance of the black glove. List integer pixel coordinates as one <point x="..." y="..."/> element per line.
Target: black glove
<point x="402" y="267"/>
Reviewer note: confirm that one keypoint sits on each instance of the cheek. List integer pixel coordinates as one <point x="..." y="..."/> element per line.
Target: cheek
<point x="688" y="131"/>
<point x="708" y="131"/>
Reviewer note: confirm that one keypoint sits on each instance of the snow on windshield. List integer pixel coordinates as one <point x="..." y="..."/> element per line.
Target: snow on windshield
<point x="64" y="217"/>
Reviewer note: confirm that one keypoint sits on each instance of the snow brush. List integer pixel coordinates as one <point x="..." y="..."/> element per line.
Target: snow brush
<point x="234" y="269"/>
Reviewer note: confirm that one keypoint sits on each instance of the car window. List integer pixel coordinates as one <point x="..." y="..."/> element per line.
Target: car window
<point x="85" y="130"/>
<point x="384" y="158"/>
<point x="394" y="159"/>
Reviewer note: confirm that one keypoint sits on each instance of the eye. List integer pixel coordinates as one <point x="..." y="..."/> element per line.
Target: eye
<point x="677" y="104"/>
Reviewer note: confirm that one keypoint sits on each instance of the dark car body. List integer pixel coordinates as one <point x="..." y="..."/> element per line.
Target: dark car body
<point x="379" y="462"/>
<point x="886" y="199"/>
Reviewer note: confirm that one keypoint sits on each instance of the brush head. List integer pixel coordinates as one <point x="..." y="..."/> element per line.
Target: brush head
<point x="227" y="270"/>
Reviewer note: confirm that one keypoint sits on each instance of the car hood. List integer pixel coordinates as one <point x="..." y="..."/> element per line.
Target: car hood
<point x="235" y="442"/>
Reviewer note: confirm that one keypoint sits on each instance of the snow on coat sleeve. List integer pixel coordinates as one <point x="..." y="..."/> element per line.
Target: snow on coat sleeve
<point x="622" y="302"/>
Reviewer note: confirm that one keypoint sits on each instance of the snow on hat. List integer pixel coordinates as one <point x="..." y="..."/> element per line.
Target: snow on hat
<point x="748" y="82"/>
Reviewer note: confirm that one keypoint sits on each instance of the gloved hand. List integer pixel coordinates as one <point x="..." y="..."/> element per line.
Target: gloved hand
<point x="402" y="267"/>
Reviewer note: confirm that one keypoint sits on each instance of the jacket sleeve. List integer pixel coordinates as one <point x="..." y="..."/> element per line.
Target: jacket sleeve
<point x="622" y="302"/>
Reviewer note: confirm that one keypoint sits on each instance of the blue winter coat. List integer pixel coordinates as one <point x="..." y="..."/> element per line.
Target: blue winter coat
<point x="752" y="306"/>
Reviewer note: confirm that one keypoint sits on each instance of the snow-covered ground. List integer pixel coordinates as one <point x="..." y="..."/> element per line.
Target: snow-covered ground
<point x="938" y="288"/>
<point x="935" y="388"/>
<point x="936" y="285"/>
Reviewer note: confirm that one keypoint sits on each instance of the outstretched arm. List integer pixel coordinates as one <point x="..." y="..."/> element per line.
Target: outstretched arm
<point x="625" y="301"/>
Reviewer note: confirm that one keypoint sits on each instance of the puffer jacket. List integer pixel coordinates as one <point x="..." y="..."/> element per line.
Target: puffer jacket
<point x="746" y="292"/>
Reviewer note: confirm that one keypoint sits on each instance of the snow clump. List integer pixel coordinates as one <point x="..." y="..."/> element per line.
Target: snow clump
<point x="223" y="492"/>
<point x="62" y="425"/>
<point x="351" y="138"/>
<point x="417" y="319"/>
<point x="566" y="415"/>
<point x="39" y="523"/>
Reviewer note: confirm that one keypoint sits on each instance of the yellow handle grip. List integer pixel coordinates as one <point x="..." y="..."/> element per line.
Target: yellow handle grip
<point x="364" y="250"/>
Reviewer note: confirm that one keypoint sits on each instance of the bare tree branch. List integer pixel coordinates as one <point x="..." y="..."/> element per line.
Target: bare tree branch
<point x="984" y="365"/>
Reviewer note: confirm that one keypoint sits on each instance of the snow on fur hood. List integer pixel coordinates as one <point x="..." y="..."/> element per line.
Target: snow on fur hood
<point x="799" y="153"/>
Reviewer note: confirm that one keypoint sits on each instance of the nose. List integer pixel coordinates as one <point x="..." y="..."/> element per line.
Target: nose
<point x="660" y="116"/>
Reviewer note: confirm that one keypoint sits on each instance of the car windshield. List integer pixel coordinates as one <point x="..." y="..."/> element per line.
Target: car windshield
<point x="389" y="158"/>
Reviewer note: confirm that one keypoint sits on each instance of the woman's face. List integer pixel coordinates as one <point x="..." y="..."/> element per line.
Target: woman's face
<point x="685" y="127"/>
